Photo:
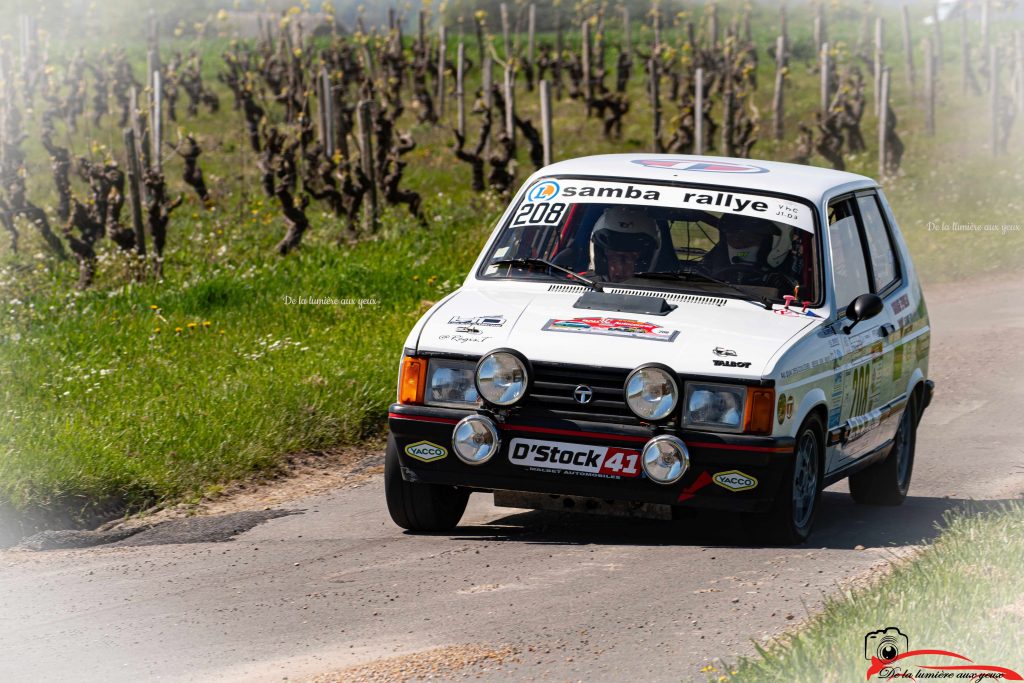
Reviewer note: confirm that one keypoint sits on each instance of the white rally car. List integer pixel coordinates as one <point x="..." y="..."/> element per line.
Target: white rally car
<point x="647" y="333"/>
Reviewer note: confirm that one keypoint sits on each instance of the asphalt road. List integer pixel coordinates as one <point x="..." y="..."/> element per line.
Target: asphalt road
<point x="575" y="597"/>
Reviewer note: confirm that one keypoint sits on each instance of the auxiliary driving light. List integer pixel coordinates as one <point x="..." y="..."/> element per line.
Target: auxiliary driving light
<point x="475" y="439"/>
<point x="665" y="459"/>
<point x="651" y="393"/>
<point x="501" y="378"/>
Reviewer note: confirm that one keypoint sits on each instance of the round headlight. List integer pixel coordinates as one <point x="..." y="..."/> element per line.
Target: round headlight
<point x="501" y="378"/>
<point x="665" y="459"/>
<point x="651" y="393"/>
<point x="475" y="439"/>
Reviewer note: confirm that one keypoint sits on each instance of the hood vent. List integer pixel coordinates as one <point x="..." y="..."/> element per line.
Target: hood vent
<point x="669" y="296"/>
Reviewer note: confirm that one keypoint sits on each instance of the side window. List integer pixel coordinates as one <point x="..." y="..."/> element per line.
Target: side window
<point x="848" y="265"/>
<point x="883" y="259"/>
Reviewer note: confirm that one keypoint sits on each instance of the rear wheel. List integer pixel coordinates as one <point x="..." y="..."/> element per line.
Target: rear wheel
<point x="791" y="517"/>
<point x="887" y="482"/>
<point x="417" y="506"/>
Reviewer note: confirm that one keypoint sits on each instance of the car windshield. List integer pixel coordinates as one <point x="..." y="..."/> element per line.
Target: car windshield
<point x="660" y="237"/>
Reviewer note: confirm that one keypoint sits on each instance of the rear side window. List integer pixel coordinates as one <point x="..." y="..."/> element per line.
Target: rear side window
<point x="848" y="265"/>
<point x="880" y="251"/>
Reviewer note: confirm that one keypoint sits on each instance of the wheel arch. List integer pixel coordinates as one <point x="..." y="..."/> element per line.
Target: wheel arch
<point x="915" y="388"/>
<point x="813" y="402"/>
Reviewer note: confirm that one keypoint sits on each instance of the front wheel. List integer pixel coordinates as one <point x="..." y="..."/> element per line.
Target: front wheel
<point x="418" y="506"/>
<point x="792" y="515"/>
<point x="887" y="482"/>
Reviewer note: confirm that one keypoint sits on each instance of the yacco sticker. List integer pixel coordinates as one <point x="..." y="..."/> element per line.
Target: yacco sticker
<point x="734" y="480"/>
<point x="611" y="327"/>
<point x="702" y="165"/>
<point x="426" y="451"/>
<point x="724" y="201"/>
<point x="543" y="191"/>
<point x="575" y="458"/>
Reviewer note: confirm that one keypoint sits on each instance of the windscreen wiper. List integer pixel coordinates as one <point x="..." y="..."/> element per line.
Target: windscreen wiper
<point x="696" y="274"/>
<point x="531" y="262"/>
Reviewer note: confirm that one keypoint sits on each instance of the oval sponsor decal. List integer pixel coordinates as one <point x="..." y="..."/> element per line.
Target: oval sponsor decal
<point x="702" y="165"/>
<point x="734" y="480"/>
<point x="543" y="191"/>
<point x="426" y="451"/>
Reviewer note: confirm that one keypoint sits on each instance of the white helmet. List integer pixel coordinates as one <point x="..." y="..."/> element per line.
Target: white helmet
<point x="623" y="228"/>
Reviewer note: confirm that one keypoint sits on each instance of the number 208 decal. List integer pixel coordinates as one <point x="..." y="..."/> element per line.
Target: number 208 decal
<point x="575" y="458"/>
<point x="540" y="214"/>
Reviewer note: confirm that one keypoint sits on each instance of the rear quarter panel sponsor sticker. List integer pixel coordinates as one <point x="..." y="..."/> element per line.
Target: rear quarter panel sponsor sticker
<point x="611" y="327"/>
<point x="426" y="451"/>
<point x="610" y="462"/>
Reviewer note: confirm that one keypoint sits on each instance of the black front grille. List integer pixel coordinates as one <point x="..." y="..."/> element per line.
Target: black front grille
<point x="551" y="393"/>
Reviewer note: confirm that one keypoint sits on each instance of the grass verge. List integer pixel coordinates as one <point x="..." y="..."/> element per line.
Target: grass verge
<point x="153" y="392"/>
<point x="964" y="593"/>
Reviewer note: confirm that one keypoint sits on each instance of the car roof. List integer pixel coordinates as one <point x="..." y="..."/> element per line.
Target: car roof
<point x="809" y="182"/>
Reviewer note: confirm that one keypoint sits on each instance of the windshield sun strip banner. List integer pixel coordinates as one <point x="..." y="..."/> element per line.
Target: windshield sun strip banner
<point x="550" y="192"/>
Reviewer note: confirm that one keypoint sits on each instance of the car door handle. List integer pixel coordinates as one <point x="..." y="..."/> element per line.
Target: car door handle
<point x="886" y="329"/>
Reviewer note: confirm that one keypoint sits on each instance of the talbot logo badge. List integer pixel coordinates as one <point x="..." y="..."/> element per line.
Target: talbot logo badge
<point x="583" y="394"/>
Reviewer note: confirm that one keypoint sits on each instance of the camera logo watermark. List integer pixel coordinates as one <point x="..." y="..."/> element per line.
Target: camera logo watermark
<point x="890" y="655"/>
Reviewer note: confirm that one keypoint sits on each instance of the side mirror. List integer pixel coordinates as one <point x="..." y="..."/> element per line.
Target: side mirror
<point x="863" y="307"/>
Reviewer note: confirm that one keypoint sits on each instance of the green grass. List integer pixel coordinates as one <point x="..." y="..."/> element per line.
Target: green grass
<point x="97" y="407"/>
<point x="962" y="594"/>
<point x="158" y="390"/>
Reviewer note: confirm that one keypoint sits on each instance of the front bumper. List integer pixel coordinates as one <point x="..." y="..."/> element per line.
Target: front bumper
<point x="764" y="460"/>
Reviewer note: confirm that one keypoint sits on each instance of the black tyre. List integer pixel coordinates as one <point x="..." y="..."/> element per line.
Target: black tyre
<point x="420" y="507"/>
<point x="790" y="519"/>
<point x="887" y="482"/>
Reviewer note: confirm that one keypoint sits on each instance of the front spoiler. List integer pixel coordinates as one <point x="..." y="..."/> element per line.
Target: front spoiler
<point x="765" y="459"/>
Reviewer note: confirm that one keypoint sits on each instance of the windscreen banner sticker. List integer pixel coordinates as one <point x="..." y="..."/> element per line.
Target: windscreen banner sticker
<point x="611" y="327"/>
<point x="608" y="462"/>
<point x="602" y="192"/>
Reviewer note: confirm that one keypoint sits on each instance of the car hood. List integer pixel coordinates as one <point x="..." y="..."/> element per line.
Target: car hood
<point x="704" y="335"/>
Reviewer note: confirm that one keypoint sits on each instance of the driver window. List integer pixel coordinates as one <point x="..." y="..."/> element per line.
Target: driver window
<point x="848" y="266"/>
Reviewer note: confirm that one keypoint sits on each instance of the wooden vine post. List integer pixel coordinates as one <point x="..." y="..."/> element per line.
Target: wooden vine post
<point x="778" y="101"/>
<point x="545" y="120"/>
<point x="135" y="190"/>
